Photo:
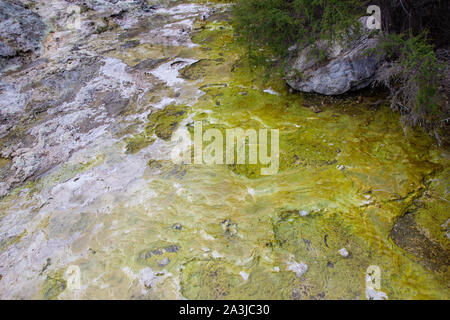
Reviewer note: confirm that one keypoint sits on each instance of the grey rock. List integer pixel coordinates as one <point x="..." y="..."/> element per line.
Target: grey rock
<point x="62" y="102"/>
<point x="6" y="51"/>
<point x="21" y="31"/>
<point x="177" y="226"/>
<point x="114" y="7"/>
<point x="173" y="248"/>
<point x="346" y="66"/>
<point x="164" y="262"/>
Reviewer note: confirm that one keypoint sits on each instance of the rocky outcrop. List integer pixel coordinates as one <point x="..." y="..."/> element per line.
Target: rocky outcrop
<point x="344" y="67"/>
<point x="21" y="32"/>
<point x="411" y="237"/>
<point x="85" y="80"/>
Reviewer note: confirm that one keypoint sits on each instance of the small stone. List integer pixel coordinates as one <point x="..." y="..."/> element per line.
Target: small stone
<point x="446" y="224"/>
<point x="307" y="244"/>
<point x="316" y="109"/>
<point x="298" y="268"/>
<point x="164" y="262"/>
<point x="303" y="213"/>
<point x="216" y="255"/>
<point x="177" y="226"/>
<point x="244" y="275"/>
<point x="229" y="228"/>
<point x="172" y="248"/>
<point x="343" y="252"/>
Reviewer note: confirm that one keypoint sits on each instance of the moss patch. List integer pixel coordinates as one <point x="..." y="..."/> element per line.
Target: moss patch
<point x="54" y="285"/>
<point x="166" y="121"/>
<point x="138" y="142"/>
<point x="208" y="280"/>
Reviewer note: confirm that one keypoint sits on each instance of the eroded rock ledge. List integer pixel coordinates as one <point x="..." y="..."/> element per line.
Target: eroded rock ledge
<point x="345" y="66"/>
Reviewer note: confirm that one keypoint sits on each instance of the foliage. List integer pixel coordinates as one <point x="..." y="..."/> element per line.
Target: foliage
<point x="413" y="74"/>
<point x="270" y="27"/>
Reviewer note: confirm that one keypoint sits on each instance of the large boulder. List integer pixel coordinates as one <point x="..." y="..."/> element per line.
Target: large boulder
<point x="345" y="66"/>
<point x="21" y="32"/>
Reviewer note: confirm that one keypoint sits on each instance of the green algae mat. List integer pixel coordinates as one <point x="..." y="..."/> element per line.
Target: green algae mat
<point x="359" y="207"/>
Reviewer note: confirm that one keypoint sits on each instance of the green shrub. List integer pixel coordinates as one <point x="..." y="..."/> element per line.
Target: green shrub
<point x="269" y="27"/>
<point x="413" y="74"/>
